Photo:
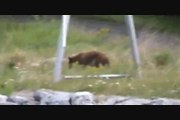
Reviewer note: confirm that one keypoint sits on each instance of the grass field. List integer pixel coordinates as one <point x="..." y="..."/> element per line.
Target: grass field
<point x="27" y="51"/>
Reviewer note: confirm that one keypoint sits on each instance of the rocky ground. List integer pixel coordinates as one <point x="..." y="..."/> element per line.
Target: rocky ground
<point x="50" y="97"/>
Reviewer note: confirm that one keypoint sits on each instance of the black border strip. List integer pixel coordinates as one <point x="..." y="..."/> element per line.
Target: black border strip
<point x="92" y="7"/>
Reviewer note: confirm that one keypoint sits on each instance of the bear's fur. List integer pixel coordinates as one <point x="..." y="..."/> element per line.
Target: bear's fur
<point x="91" y="58"/>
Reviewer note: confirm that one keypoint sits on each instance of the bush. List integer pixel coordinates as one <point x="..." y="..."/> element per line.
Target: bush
<point x="163" y="58"/>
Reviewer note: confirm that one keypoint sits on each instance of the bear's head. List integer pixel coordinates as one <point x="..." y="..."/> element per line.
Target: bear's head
<point x="71" y="61"/>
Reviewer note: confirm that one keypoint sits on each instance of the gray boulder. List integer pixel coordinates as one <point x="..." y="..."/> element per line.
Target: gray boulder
<point x="164" y="101"/>
<point x="48" y="97"/>
<point x="18" y="100"/>
<point x="82" y="98"/>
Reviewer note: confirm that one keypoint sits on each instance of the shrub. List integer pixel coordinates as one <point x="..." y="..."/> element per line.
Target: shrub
<point x="163" y="58"/>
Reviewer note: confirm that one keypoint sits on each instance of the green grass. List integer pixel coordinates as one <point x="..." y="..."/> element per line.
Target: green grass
<point x="31" y="46"/>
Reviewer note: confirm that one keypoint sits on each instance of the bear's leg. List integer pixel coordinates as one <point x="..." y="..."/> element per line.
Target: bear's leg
<point x="97" y="64"/>
<point x="92" y="63"/>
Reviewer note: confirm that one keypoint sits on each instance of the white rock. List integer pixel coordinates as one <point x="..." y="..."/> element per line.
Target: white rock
<point x="135" y="101"/>
<point x="3" y="98"/>
<point x="48" y="97"/>
<point x="82" y="98"/>
<point x="18" y="99"/>
<point x="113" y="100"/>
<point x="165" y="101"/>
<point x="8" y="103"/>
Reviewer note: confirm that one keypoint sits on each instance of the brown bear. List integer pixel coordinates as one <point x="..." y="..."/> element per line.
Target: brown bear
<point x="91" y="58"/>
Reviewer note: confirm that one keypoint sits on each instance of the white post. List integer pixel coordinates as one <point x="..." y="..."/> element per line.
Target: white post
<point x="134" y="45"/>
<point x="61" y="48"/>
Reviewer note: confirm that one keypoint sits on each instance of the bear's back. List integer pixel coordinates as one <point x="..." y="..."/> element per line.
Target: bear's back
<point x="92" y="58"/>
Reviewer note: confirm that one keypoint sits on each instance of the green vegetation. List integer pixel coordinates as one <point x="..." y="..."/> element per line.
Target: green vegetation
<point x="27" y="51"/>
<point x="164" y="23"/>
<point x="163" y="58"/>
